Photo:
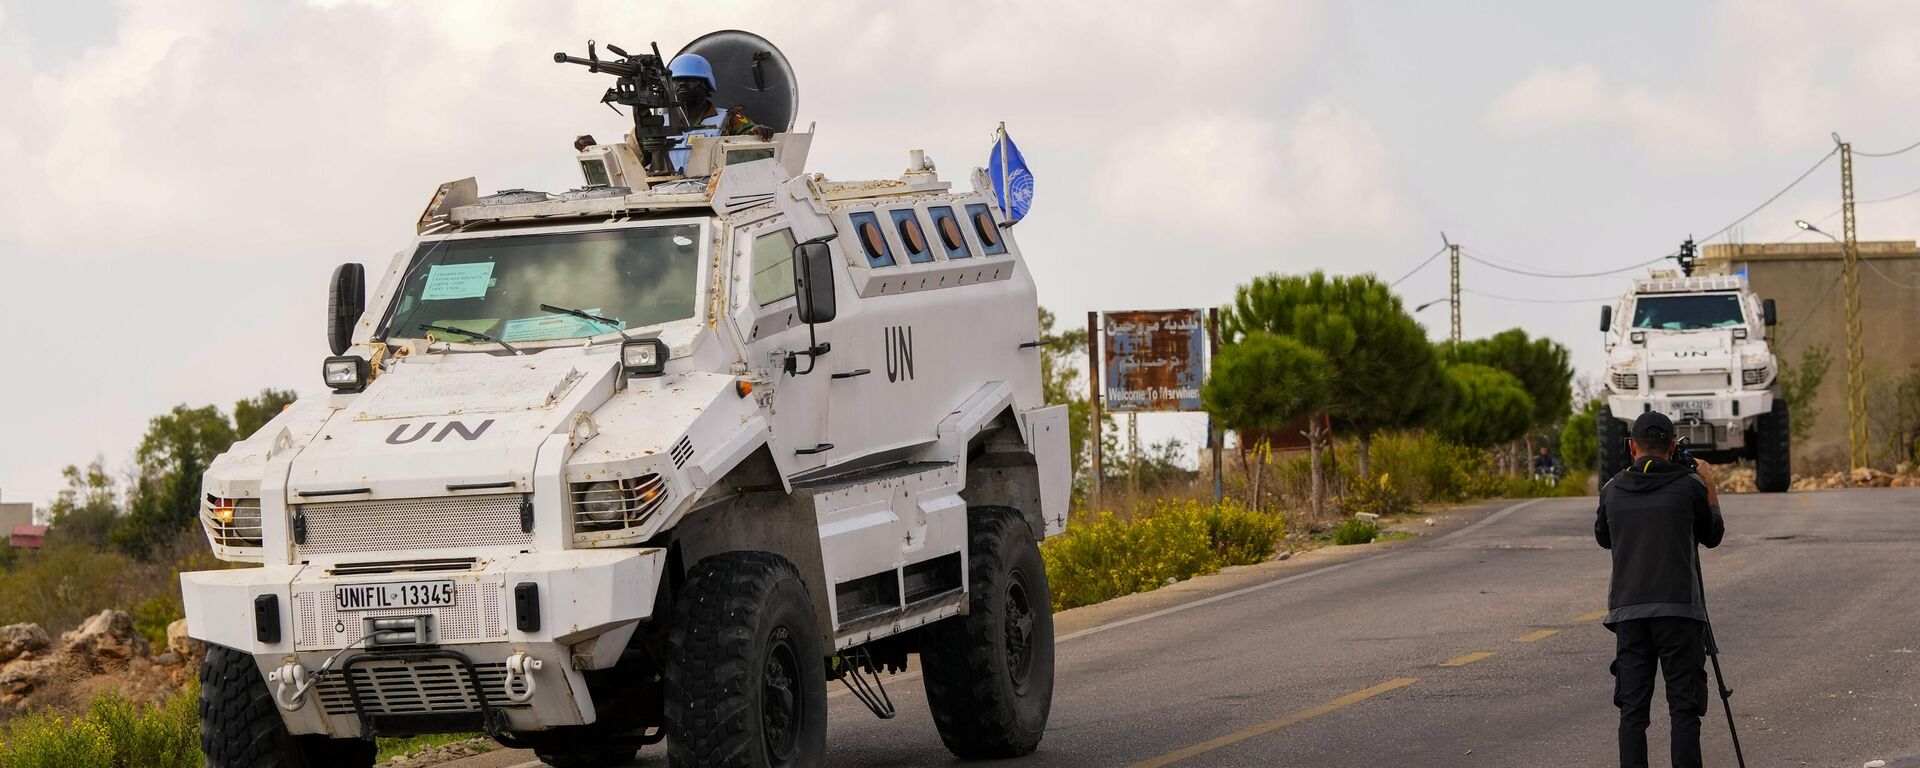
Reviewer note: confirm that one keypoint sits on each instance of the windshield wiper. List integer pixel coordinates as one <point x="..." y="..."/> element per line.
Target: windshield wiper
<point x="610" y="322"/>
<point x="464" y="332"/>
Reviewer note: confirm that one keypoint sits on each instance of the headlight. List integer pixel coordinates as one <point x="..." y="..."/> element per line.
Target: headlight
<point x="1637" y="337"/>
<point x="1739" y="333"/>
<point x="346" y="373"/>
<point x="1626" y="381"/>
<point x="602" y="502"/>
<point x="1753" y="375"/>
<point x="644" y="357"/>
<point x="232" y="523"/>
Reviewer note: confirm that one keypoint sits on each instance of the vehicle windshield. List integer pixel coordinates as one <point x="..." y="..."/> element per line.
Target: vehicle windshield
<point x="495" y="285"/>
<point x="1687" y="313"/>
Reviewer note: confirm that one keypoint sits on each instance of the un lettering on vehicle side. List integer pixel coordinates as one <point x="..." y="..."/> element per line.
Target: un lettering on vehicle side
<point x="899" y="341"/>
<point x="400" y="436"/>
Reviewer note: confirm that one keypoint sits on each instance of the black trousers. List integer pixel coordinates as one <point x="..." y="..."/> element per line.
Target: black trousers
<point x="1679" y="648"/>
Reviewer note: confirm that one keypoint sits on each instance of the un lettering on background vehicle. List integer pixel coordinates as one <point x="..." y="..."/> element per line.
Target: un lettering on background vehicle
<point x="651" y="462"/>
<point x="1696" y="348"/>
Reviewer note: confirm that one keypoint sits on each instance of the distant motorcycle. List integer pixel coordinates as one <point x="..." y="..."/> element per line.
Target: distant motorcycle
<point x="1549" y="474"/>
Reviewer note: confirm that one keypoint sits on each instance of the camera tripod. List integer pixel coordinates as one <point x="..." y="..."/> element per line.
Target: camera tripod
<point x="1719" y="678"/>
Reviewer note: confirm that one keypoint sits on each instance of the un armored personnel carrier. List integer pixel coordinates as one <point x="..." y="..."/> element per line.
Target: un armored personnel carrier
<point x="657" y="458"/>
<point x="1696" y="348"/>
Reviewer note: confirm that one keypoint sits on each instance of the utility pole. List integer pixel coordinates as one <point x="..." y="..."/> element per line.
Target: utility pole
<point x="1856" y="345"/>
<point x="1454" y="255"/>
<point x="1093" y="395"/>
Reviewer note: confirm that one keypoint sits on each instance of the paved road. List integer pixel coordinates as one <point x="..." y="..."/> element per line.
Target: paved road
<point x="1476" y="645"/>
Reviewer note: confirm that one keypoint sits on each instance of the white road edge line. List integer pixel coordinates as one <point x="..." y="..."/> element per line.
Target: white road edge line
<point x="1489" y="520"/>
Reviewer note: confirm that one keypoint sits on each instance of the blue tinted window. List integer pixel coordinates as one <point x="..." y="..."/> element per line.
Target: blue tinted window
<point x="866" y="229"/>
<point x="986" y="230"/>
<point x="947" y="226"/>
<point x="907" y="223"/>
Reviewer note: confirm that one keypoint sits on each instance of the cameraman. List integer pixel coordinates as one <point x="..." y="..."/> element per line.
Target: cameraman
<point x="1652" y="515"/>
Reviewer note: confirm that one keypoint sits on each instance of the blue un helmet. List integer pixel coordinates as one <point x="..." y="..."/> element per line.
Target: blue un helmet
<point x="694" y="65"/>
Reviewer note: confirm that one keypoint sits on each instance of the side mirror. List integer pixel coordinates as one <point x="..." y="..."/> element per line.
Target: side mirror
<point x="1766" y="312"/>
<point x="346" y="300"/>
<point x="813" y="281"/>
<point x="1606" y="318"/>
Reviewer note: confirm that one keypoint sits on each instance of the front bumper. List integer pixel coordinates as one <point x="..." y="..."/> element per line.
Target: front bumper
<point x="1717" y="422"/>
<point x="588" y="606"/>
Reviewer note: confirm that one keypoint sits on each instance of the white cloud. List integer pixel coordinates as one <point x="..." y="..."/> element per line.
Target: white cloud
<point x="1578" y="96"/>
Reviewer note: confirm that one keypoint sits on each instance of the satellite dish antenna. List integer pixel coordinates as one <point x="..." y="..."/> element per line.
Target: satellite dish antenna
<point x="753" y="75"/>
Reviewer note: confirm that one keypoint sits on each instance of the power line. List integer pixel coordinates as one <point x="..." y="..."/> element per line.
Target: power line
<point x="1530" y="273"/>
<point x="1858" y="153"/>
<point x="1888" y="278"/>
<point x="1486" y="295"/>
<point x="1423" y="265"/>
<point x="1776" y="196"/>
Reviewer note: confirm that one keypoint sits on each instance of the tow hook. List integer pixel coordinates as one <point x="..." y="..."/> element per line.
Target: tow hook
<point x="294" y="675"/>
<point x="520" y="666"/>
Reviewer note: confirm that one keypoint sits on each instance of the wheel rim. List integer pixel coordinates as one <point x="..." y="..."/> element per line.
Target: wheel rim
<point x="1020" y="620"/>
<point x="781" y="706"/>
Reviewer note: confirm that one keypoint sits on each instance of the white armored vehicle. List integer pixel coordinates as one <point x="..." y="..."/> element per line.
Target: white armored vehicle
<point x="1695" y="348"/>
<point x="654" y="459"/>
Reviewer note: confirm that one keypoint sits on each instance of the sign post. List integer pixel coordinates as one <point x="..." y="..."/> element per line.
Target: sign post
<point x="1093" y="393"/>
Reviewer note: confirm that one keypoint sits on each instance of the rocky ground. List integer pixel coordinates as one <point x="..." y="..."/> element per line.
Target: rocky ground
<point x="103" y="654"/>
<point x="1740" y="479"/>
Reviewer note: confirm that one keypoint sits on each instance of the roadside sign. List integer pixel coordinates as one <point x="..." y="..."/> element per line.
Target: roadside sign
<point x="1154" y="360"/>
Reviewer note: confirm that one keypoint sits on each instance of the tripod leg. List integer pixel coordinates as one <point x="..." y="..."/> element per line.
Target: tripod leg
<point x="1726" y="697"/>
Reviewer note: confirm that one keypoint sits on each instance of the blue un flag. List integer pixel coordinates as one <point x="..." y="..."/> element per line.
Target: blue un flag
<point x="1011" y="179"/>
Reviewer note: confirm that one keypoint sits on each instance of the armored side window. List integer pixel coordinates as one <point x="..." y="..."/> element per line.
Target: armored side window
<point x="951" y="238"/>
<point x="773" y="267"/>
<point x="866" y="228"/>
<point x="907" y="222"/>
<point x="984" y="227"/>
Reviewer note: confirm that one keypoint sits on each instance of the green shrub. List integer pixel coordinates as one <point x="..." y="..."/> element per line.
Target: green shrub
<point x="1355" y="531"/>
<point x="1108" y="556"/>
<point x="1379" y="496"/>
<point x="114" y="733"/>
<point x="47" y="740"/>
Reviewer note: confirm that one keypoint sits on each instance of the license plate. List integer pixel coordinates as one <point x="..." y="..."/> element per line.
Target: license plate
<point x="410" y="594"/>
<point x="1696" y="406"/>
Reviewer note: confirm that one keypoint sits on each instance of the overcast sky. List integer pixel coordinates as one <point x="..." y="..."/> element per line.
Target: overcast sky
<point x="179" y="178"/>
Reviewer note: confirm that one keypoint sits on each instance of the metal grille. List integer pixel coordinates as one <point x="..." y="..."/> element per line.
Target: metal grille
<point x="241" y="530"/>
<point x="619" y="504"/>
<point x="682" y="451"/>
<point x="1689" y="382"/>
<point x="412" y="688"/>
<point x="474" y="616"/>
<point x="1626" y="382"/>
<point x="390" y="524"/>
<point x="1753" y="375"/>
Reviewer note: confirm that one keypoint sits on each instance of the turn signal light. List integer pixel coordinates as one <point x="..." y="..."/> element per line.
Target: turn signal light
<point x="743" y="387"/>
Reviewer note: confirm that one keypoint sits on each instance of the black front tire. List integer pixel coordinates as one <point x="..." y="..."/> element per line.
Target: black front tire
<point x="989" y="674"/>
<point x="1613" y="444"/>
<point x="241" y="728"/>
<point x="746" y="676"/>
<point x="1773" y="459"/>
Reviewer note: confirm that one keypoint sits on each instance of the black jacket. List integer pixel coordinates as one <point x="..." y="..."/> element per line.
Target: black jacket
<point x="1651" y="515"/>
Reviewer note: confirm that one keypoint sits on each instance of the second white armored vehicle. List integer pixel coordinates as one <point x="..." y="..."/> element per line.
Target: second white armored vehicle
<point x="655" y="459"/>
<point x="1696" y="349"/>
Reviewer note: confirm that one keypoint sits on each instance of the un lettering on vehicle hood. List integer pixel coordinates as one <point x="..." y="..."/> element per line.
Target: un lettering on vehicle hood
<point x="450" y="420"/>
<point x="1690" y="348"/>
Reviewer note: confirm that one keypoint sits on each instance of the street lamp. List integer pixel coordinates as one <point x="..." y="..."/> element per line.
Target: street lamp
<point x="1804" y="224"/>
<point x="1431" y="303"/>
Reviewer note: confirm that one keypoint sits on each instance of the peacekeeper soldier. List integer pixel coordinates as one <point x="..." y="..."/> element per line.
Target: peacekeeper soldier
<point x="1651" y="516"/>
<point x="694" y="86"/>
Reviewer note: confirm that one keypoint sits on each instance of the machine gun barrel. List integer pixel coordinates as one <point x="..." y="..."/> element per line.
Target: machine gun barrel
<point x="616" y="68"/>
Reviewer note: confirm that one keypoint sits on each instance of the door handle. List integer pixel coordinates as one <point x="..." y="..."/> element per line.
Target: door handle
<point x="821" y="448"/>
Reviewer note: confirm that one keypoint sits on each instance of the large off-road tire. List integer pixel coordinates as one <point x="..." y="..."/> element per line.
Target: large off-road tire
<point x="1773" y="457"/>
<point x="989" y="674"/>
<point x="746" y="683"/>
<point x="241" y="728"/>
<point x="1613" y="444"/>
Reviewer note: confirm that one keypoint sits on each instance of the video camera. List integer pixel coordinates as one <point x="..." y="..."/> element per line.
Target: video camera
<point x="1682" y="457"/>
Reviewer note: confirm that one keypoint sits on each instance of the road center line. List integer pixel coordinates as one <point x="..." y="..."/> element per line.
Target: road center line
<point x="1277" y="582"/>
<point x="1465" y="660"/>
<point x="1536" y="635"/>
<point x="1276" y="724"/>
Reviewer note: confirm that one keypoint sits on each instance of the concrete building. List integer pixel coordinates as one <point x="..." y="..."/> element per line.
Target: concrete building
<point x="1804" y="280"/>
<point x="15" y="513"/>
